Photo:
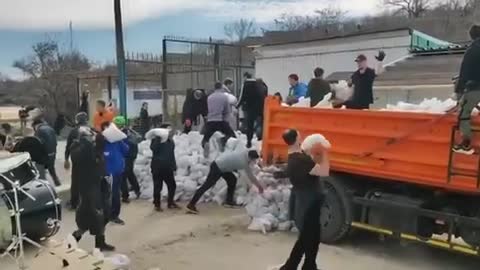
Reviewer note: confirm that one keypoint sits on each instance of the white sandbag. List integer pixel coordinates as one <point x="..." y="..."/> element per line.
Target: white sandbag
<point x="113" y="134"/>
<point x="342" y="91"/>
<point x="122" y="262"/>
<point x="232" y="100"/>
<point x="325" y="102"/>
<point x="310" y="141"/>
<point x="260" y="225"/>
<point x="163" y="133"/>
<point x="285" y="226"/>
<point x="302" y="103"/>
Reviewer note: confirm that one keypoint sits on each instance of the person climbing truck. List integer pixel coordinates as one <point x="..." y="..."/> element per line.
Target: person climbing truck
<point x="467" y="91"/>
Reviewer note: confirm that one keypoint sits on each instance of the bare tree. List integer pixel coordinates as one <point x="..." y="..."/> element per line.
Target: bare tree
<point x="53" y="72"/>
<point x="413" y="8"/>
<point x="240" y="30"/>
<point x="321" y="18"/>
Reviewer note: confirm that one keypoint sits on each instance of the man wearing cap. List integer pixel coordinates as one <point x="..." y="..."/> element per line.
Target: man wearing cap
<point x="81" y="119"/>
<point x="128" y="174"/>
<point x="362" y="81"/>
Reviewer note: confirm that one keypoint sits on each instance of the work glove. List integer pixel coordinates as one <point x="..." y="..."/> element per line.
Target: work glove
<point x="381" y="56"/>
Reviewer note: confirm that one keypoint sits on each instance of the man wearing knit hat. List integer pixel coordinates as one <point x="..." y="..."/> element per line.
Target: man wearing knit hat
<point x="128" y="175"/>
<point x="81" y="120"/>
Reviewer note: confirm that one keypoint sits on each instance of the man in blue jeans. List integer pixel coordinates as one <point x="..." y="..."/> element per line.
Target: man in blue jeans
<point x="115" y="153"/>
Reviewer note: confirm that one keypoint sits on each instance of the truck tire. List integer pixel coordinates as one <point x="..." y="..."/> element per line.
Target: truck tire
<point x="336" y="213"/>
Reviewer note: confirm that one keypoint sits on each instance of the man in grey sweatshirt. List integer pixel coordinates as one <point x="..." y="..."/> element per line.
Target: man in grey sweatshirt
<point x="223" y="167"/>
<point x="219" y="111"/>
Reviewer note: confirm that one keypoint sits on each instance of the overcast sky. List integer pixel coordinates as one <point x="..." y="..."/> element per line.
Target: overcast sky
<point x="24" y="22"/>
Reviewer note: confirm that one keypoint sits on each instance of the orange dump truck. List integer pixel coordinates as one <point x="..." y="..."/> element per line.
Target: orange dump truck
<point x="392" y="172"/>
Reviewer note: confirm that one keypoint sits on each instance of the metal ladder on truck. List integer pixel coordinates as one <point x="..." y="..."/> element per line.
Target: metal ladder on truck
<point x="452" y="171"/>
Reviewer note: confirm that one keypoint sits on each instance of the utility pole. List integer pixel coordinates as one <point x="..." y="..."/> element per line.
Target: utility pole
<point x="70" y="27"/>
<point x="122" y="84"/>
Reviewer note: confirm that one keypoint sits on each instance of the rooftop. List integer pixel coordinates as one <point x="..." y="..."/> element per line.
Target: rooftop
<point x="424" y="67"/>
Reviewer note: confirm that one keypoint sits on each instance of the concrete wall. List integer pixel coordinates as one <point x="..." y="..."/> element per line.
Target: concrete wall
<point x="275" y="63"/>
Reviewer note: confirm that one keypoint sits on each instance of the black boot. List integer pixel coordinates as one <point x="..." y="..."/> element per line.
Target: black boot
<point x="100" y="244"/>
<point x="77" y="235"/>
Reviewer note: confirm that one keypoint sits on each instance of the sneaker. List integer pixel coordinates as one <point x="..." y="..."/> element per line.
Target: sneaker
<point x="158" y="208"/>
<point x="173" y="206"/>
<point x="463" y="149"/>
<point x="232" y="205"/>
<point x="118" y="221"/>
<point x="126" y="200"/>
<point x="191" y="209"/>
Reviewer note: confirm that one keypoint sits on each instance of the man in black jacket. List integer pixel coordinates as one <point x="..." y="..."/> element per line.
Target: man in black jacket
<point x="81" y="120"/>
<point x="251" y="99"/>
<point x="48" y="137"/>
<point x="362" y="81"/>
<point x="317" y="88"/>
<point x="163" y="168"/>
<point x="468" y="88"/>
<point x="88" y="165"/>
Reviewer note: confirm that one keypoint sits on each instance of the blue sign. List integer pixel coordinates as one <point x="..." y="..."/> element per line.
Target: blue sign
<point x="147" y="95"/>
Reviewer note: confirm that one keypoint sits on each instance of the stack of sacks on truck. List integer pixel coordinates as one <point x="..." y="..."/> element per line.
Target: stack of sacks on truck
<point x="341" y="91"/>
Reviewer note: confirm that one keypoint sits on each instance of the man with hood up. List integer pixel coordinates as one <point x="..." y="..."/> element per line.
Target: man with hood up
<point x="81" y="120"/>
<point x="48" y="137"/>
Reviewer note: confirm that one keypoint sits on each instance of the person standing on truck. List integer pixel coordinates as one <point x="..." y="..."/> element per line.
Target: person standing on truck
<point x="362" y="81"/>
<point x="317" y="88"/>
<point x="297" y="89"/>
<point x="305" y="170"/>
<point x="219" y="113"/>
<point x="467" y="90"/>
<point x="252" y="99"/>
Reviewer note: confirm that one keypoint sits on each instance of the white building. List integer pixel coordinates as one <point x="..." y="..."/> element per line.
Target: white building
<point x="274" y="62"/>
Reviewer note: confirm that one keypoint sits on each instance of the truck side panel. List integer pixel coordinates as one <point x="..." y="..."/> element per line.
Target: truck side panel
<point x="401" y="146"/>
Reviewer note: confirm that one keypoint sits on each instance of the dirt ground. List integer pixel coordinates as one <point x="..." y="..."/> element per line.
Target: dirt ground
<point x="218" y="239"/>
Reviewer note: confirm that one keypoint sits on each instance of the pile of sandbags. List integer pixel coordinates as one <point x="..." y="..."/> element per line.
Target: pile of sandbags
<point x="268" y="211"/>
<point x="433" y="105"/>
<point x="192" y="168"/>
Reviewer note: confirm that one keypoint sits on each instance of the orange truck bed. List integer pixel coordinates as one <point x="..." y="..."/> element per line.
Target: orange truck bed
<point x="397" y="146"/>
